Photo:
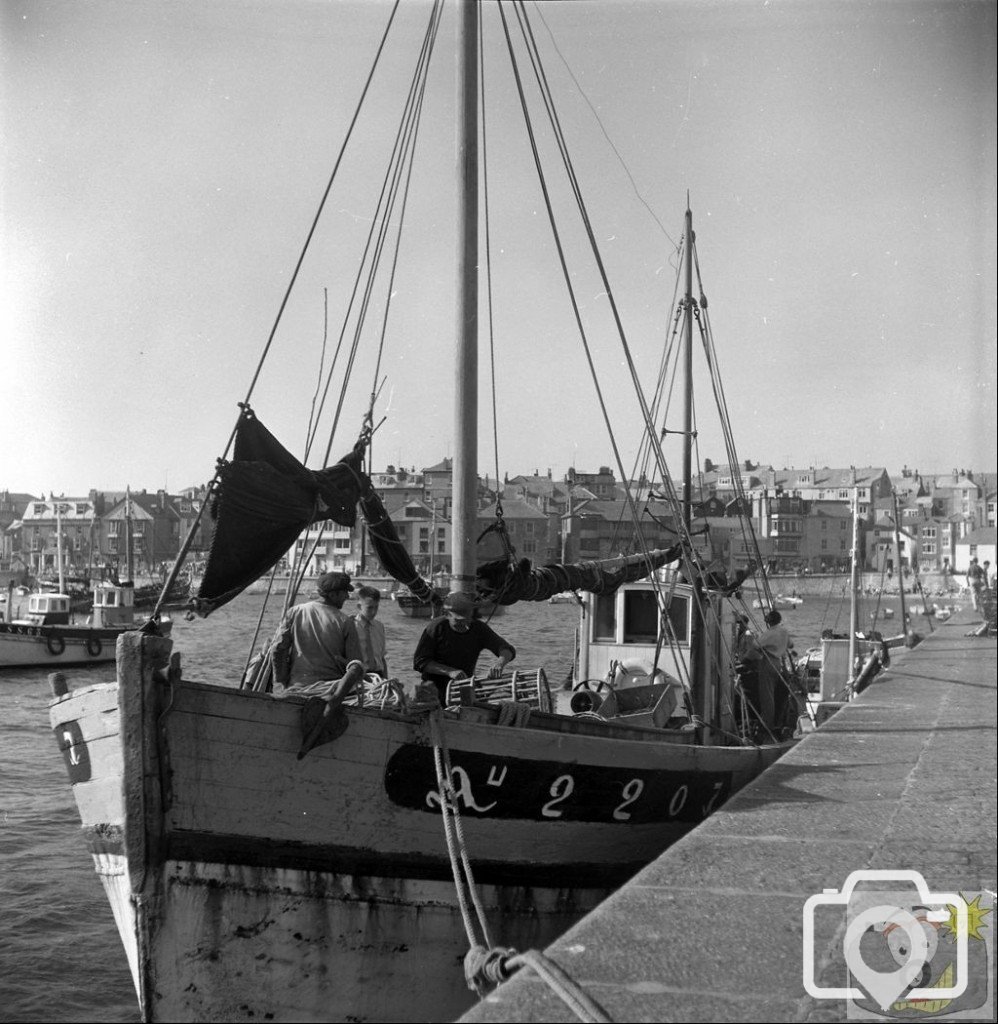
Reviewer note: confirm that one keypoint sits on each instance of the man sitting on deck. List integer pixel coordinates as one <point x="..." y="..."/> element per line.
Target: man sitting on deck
<point x="318" y="638"/>
<point x="450" y="646"/>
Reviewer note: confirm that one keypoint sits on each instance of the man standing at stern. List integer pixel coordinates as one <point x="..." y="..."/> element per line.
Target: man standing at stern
<point x="450" y="646"/>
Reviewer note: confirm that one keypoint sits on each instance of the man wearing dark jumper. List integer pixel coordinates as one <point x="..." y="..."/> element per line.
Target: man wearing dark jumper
<point x="450" y="646"/>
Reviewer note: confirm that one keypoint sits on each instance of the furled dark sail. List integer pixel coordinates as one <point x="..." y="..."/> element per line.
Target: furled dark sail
<point x="264" y="499"/>
<point x="388" y="547"/>
<point x="498" y="581"/>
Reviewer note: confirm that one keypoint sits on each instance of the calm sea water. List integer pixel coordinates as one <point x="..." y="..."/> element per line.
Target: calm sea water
<point x="60" y="955"/>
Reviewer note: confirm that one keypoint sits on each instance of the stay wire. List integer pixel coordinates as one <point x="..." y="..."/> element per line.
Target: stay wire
<point x="378" y="220"/>
<point x="322" y="203"/>
<point x="322" y="362"/>
<point x="521" y="17"/>
<point x="398" y="243"/>
<point x="409" y="156"/>
<point x="587" y="224"/>
<point x="213" y="483"/>
<point x="488" y="260"/>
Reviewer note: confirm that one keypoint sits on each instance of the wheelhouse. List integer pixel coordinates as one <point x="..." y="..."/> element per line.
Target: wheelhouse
<point x="626" y="627"/>
<point x="48" y="609"/>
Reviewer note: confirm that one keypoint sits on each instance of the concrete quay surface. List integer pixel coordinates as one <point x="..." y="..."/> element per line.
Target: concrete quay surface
<point x="904" y="777"/>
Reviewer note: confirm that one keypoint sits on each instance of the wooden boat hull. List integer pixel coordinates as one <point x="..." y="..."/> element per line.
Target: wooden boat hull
<point x="414" y="608"/>
<point x="42" y="646"/>
<point x="246" y="880"/>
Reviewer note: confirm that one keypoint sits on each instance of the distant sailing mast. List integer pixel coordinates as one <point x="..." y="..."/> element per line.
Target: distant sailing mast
<point x="900" y="571"/>
<point x="854" y="585"/>
<point x="58" y="546"/>
<point x="128" y="536"/>
<point x="697" y="681"/>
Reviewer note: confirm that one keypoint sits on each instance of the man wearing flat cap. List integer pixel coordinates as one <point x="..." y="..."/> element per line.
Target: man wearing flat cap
<point x="320" y="638"/>
<point x="451" y="645"/>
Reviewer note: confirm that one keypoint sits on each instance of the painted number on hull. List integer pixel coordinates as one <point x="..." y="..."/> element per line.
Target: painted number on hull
<point x="483" y="785"/>
<point x="632" y="791"/>
<point x="69" y="736"/>
<point x="561" y="789"/>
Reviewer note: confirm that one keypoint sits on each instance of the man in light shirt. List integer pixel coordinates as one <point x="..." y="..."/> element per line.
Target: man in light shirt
<point x="317" y="637"/>
<point x="370" y="631"/>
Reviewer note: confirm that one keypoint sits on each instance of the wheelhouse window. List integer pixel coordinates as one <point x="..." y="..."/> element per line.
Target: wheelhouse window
<point x="605" y="618"/>
<point x="640" y="617"/>
<point x="679" y="618"/>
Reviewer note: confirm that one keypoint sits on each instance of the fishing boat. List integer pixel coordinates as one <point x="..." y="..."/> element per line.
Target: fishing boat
<point x="779" y="601"/>
<point x="49" y="634"/>
<point x="279" y="857"/>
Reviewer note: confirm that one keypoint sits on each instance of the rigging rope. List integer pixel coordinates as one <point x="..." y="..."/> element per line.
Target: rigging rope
<point x="213" y="484"/>
<point x="370" y="258"/>
<point x="486" y="964"/>
<point x="540" y="78"/>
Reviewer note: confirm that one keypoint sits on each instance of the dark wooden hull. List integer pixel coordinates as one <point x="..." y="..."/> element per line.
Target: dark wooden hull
<point x="243" y="878"/>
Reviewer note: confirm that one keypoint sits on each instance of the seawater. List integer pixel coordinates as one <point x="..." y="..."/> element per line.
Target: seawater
<point x="60" y="955"/>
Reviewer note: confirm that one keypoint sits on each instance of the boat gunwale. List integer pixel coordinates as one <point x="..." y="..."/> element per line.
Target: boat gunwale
<point x="608" y="731"/>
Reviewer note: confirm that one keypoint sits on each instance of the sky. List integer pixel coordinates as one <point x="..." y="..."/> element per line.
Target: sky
<point x="163" y="162"/>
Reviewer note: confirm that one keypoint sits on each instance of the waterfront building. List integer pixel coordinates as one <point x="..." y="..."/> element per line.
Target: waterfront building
<point x="979" y="544"/>
<point x="39" y="535"/>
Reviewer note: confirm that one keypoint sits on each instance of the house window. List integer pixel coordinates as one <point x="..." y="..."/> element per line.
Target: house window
<point x="929" y="532"/>
<point x="929" y="548"/>
<point x="112" y="527"/>
<point x="529" y="528"/>
<point x="824" y="544"/>
<point x="843" y="524"/>
<point x="824" y="524"/>
<point x="529" y="547"/>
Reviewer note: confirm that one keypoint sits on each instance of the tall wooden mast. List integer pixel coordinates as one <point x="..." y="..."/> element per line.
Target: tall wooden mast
<point x="702" y="699"/>
<point x="688" y="378"/>
<point x="465" y="468"/>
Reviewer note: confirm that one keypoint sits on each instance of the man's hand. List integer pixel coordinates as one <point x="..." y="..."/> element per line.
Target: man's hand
<point x="456" y="673"/>
<point x="497" y="670"/>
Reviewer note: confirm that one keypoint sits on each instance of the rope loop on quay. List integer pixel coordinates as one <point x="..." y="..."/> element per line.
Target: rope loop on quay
<point x="489" y="967"/>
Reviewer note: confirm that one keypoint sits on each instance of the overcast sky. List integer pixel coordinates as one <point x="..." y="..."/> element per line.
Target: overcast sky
<point x="162" y="162"/>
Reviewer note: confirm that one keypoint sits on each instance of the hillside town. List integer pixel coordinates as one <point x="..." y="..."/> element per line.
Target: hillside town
<point x="802" y="518"/>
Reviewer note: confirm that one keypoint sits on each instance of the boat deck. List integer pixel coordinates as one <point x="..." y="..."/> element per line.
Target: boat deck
<point x="902" y="778"/>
